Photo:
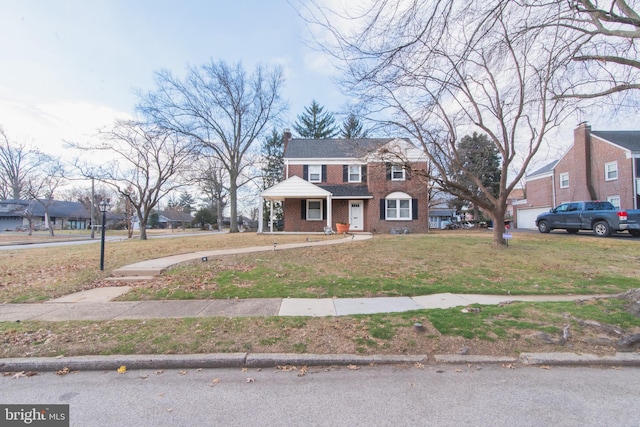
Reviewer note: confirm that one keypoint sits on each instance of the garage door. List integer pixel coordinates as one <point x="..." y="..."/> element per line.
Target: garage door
<point x="527" y="217"/>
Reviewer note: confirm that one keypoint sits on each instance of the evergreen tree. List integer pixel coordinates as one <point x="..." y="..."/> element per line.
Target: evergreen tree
<point x="273" y="165"/>
<point x="315" y="123"/>
<point x="186" y="202"/>
<point x="479" y="157"/>
<point x="352" y="128"/>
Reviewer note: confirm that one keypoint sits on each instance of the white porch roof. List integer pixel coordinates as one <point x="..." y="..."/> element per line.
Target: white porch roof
<point x="294" y="187"/>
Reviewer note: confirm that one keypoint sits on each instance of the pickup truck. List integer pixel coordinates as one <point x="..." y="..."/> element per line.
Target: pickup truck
<point x="633" y="222"/>
<point x="601" y="217"/>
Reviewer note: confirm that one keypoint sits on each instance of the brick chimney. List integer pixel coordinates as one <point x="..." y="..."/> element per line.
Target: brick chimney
<point x="582" y="163"/>
<point x="287" y="137"/>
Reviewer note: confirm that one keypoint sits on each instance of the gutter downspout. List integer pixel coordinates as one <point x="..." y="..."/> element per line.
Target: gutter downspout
<point x="553" y="190"/>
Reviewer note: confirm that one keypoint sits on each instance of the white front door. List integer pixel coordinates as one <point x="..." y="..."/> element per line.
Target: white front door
<point x="356" y="211"/>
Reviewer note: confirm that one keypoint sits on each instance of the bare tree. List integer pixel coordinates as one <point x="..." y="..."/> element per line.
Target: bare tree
<point x="17" y="163"/>
<point x="211" y="177"/>
<point x="437" y="70"/>
<point x="606" y="37"/>
<point x="222" y="108"/>
<point x="148" y="163"/>
<point x="43" y="185"/>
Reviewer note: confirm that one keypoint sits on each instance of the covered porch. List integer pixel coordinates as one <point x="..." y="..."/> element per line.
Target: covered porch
<point x="294" y="188"/>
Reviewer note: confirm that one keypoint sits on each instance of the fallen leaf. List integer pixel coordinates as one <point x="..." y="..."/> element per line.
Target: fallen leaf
<point x="63" y="371"/>
<point x="122" y="369"/>
<point x="354" y="367"/>
<point x="419" y="365"/>
<point x="508" y="366"/>
<point x="183" y="372"/>
<point x="458" y="370"/>
<point x="545" y="367"/>
<point x="199" y="370"/>
<point x="214" y="382"/>
<point x="159" y="372"/>
<point x="144" y="377"/>
<point x="31" y="373"/>
<point x="250" y="380"/>
<point x="303" y="371"/>
<point x="286" y="368"/>
<point x="18" y="375"/>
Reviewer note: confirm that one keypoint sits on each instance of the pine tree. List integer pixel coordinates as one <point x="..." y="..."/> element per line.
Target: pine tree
<point x="352" y="128"/>
<point x="315" y="123"/>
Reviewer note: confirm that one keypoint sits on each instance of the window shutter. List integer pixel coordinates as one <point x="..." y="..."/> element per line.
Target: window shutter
<point x="305" y="172"/>
<point x="324" y="173"/>
<point x="414" y="208"/>
<point x="303" y="208"/>
<point x="324" y="209"/>
<point x="388" y="165"/>
<point x="383" y="208"/>
<point x="345" y="173"/>
<point x="364" y="173"/>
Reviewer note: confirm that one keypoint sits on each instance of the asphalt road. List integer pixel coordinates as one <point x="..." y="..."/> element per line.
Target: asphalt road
<point x="433" y="395"/>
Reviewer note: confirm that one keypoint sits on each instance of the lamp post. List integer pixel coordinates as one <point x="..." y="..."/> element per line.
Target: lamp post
<point x="104" y="205"/>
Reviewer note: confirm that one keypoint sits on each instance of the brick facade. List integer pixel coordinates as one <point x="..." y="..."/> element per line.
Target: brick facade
<point x="584" y="165"/>
<point x="375" y="187"/>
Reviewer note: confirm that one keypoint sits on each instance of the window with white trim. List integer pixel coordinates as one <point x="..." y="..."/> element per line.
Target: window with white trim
<point x="355" y="173"/>
<point x="614" y="200"/>
<point x="398" y="209"/>
<point x="564" y="180"/>
<point x="397" y="173"/>
<point x="314" y="210"/>
<point x="611" y="171"/>
<point x="315" y="173"/>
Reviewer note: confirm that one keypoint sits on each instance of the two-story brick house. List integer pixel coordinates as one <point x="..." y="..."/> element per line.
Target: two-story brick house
<point x="374" y="184"/>
<point x="600" y="165"/>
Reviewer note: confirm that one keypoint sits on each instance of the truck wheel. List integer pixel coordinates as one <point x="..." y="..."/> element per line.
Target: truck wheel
<point x="543" y="227"/>
<point x="601" y="229"/>
<point x="572" y="230"/>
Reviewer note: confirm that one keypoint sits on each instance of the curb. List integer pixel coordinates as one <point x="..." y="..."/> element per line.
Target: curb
<point x="267" y="360"/>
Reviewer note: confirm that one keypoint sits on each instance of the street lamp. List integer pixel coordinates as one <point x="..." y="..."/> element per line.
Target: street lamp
<point x="104" y="205"/>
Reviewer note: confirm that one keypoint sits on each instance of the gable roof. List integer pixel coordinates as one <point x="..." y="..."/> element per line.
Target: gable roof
<point x="545" y="169"/>
<point x="294" y="187"/>
<point x="332" y="148"/>
<point x="628" y="139"/>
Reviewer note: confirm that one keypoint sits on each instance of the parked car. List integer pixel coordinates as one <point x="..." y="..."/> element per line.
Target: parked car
<point x="601" y="217"/>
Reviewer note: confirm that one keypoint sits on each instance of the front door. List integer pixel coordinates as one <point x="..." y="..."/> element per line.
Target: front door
<point x="356" y="217"/>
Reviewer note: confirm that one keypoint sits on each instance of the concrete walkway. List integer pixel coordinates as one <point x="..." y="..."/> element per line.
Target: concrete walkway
<point x="97" y="304"/>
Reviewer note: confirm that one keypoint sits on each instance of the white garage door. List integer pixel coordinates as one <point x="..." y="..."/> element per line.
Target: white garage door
<point x="527" y="217"/>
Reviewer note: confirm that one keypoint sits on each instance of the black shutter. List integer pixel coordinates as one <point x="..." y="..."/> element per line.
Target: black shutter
<point x="324" y="209"/>
<point x="414" y="208"/>
<point x="303" y="209"/>
<point x="364" y="173"/>
<point x="383" y="208"/>
<point x="388" y="165"/>
<point x="324" y="173"/>
<point x="345" y="173"/>
<point x="305" y="172"/>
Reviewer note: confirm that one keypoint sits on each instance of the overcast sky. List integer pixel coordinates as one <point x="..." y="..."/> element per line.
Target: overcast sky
<point x="68" y="67"/>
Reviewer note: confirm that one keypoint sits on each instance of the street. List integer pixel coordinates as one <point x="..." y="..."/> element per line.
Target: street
<point x="434" y="395"/>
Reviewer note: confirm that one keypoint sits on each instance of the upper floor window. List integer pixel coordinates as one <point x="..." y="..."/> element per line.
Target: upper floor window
<point x="564" y="180"/>
<point x="397" y="173"/>
<point x="611" y="171"/>
<point x="315" y="173"/>
<point x="355" y="173"/>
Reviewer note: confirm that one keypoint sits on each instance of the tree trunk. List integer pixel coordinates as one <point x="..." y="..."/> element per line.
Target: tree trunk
<point x="233" y="200"/>
<point x="498" y="228"/>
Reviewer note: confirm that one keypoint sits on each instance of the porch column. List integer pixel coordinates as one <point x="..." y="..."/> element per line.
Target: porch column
<point x="260" y="213"/>
<point x="329" y="221"/>
<point x="271" y="215"/>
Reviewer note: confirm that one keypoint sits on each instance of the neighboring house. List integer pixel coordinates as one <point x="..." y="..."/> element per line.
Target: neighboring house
<point x="600" y="165"/>
<point x="174" y="219"/>
<point x="14" y="214"/>
<point x="375" y="185"/>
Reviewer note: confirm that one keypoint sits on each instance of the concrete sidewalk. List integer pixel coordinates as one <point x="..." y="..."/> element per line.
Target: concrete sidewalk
<point x="96" y="305"/>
